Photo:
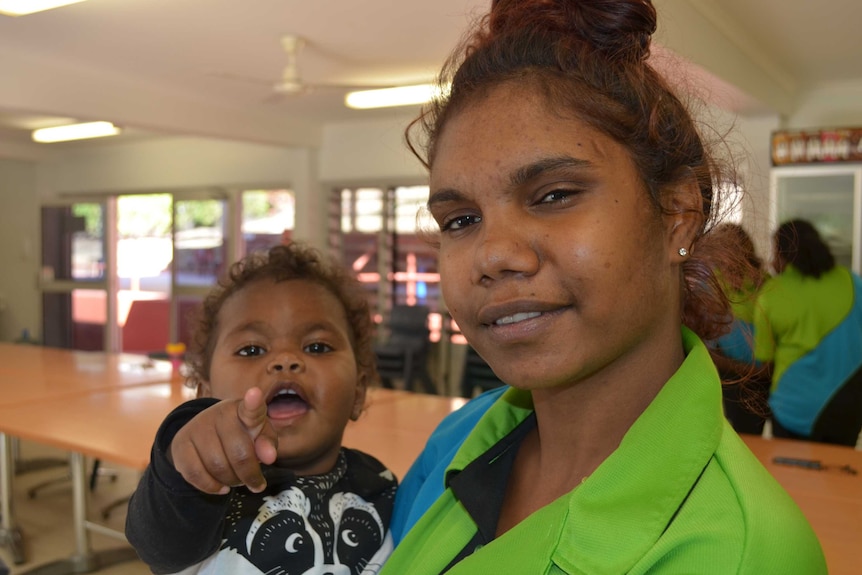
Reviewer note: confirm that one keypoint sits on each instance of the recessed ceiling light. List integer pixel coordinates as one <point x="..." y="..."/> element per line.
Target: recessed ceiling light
<point x="22" y="7"/>
<point x="75" y="132"/>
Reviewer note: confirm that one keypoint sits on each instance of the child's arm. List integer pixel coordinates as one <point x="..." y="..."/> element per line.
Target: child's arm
<point x="224" y="445"/>
<point x="171" y="524"/>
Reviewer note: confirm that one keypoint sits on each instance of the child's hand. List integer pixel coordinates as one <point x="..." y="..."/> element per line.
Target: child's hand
<point x="224" y="445"/>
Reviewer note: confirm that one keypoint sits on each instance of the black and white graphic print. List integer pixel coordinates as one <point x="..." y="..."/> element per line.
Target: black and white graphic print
<point x="288" y="536"/>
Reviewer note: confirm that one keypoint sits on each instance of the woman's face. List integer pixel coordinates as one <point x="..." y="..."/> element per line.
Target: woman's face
<point x="553" y="261"/>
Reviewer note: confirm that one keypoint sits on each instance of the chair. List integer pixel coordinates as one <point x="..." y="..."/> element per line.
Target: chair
<point x="840" y="420"/>
<point x="404" y="355"/>
<point x="36" y="465"/>
<point x="477" y="375"/>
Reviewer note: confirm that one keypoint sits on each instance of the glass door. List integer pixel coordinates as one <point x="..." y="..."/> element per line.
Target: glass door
<point x="124" y="273"/>
<point x="828" y="197"/>
<point x="143" y="272"/>
<point x="201" y="255"/>
<point x="73" y="279"/>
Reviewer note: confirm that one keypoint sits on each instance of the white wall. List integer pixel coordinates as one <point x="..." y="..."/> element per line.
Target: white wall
<point x="20" y="256"/>
<point x="369" y="152"/>
<point x="171" y="163"/>
<point x="837" y="105"/>
<point x="754" y="137"/>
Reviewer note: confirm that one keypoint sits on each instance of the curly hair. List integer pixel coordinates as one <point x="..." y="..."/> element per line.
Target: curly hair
<point x="589" y="60"/>
<point x="295" y="261"/>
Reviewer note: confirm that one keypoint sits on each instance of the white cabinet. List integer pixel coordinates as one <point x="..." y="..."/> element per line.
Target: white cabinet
<point x="830" y="197"/>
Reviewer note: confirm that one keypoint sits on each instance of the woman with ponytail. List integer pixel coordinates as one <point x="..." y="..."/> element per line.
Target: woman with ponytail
<point x="572" y="192"/>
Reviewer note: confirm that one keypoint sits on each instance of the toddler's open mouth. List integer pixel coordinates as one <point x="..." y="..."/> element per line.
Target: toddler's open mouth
<point x="286" y="403"/>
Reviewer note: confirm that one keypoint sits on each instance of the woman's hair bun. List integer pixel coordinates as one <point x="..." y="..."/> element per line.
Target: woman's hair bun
<point x="619" y="29"/>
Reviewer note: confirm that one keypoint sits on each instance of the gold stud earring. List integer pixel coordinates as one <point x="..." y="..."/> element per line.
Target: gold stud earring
<point x="683" y="252"/>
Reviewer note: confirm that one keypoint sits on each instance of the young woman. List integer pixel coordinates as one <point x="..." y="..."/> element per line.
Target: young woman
<point x="572" y="191"/>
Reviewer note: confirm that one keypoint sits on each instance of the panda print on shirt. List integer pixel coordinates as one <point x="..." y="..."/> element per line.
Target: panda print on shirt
<point x="288" y="537"/>
<point x="309" y="528"/>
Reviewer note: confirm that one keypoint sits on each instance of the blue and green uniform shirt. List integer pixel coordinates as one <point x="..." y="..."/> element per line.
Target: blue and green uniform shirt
<point x="811" y="330"/>
<point x="681" y="494"/>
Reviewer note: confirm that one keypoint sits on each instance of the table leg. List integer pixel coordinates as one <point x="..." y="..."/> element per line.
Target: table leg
<point x="33" y="464"/>
<point x="85" y="559"/>
<point x="10" y="535"/>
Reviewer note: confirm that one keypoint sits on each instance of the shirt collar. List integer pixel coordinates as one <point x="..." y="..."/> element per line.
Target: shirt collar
<point x="636" y="491"/>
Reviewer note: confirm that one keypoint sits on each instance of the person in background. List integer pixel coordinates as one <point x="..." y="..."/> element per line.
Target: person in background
<point x="808" y="329"/>
<point x="251" y="477"/>
<point x="572" y="191"/>
<point x="746" y="382"/>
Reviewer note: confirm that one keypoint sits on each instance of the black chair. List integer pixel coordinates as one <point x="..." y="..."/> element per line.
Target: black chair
<point x="840" y="421"/>
<point x="477" y="375"/>
<point x="404" y="355"/>
<point x="36" y="465"/>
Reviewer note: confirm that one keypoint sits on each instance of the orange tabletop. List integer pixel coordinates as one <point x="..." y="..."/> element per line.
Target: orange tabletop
<point x="396" y="424"/>
<point x="35" y="373"/>
<point x="830" y="498"/>
<point x="116" y="425"/>
<point x="119" y="425"/>
<point x="831" y="480"/>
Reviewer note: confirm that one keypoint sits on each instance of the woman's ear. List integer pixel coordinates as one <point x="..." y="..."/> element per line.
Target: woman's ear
<point x="684" y="217"/>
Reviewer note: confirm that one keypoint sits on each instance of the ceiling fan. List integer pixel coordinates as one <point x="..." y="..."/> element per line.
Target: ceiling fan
<point x="290" y="83"/>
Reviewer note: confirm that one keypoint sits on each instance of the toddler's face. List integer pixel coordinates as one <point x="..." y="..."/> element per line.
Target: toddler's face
<point x="292" y="340"/>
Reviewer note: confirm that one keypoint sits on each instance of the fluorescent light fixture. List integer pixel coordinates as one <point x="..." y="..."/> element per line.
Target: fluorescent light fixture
<point x="388" y="97"/>
<point x="22" y="7"/>
<point x="75" y="132"/>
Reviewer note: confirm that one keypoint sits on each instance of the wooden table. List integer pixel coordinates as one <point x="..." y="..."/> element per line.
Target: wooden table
<point x="830" y="498"/>
<point x="119" y="426"/>
<point x="33" y="374"/>
<point x="396" y="424"/>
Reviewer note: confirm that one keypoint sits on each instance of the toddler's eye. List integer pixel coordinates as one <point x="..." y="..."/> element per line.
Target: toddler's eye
<point x="318" y="347"/>
<point x="251" y="351"/>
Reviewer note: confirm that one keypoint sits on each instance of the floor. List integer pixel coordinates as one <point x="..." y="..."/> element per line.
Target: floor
<point x="46" y="520"/>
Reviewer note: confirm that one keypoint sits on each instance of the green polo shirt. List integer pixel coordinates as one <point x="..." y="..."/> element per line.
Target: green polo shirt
<point x="795" y="312"/>
<point x="681" y="494"/>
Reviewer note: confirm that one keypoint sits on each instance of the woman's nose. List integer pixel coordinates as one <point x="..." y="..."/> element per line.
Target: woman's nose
<point x="504" y="250"/>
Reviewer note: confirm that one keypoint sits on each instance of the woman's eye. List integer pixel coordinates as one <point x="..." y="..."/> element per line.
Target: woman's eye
<point x="557" y="196"/>
<point x="251" y="351"/>
<point x="460" y="222"/>
<point x="318" y="347"/>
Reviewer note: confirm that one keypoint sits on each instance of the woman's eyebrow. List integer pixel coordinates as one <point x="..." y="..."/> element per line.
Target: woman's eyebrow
<point x="519" y="177"/>
<point x="526" y="173"/>
<point x="444" y="195"/>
